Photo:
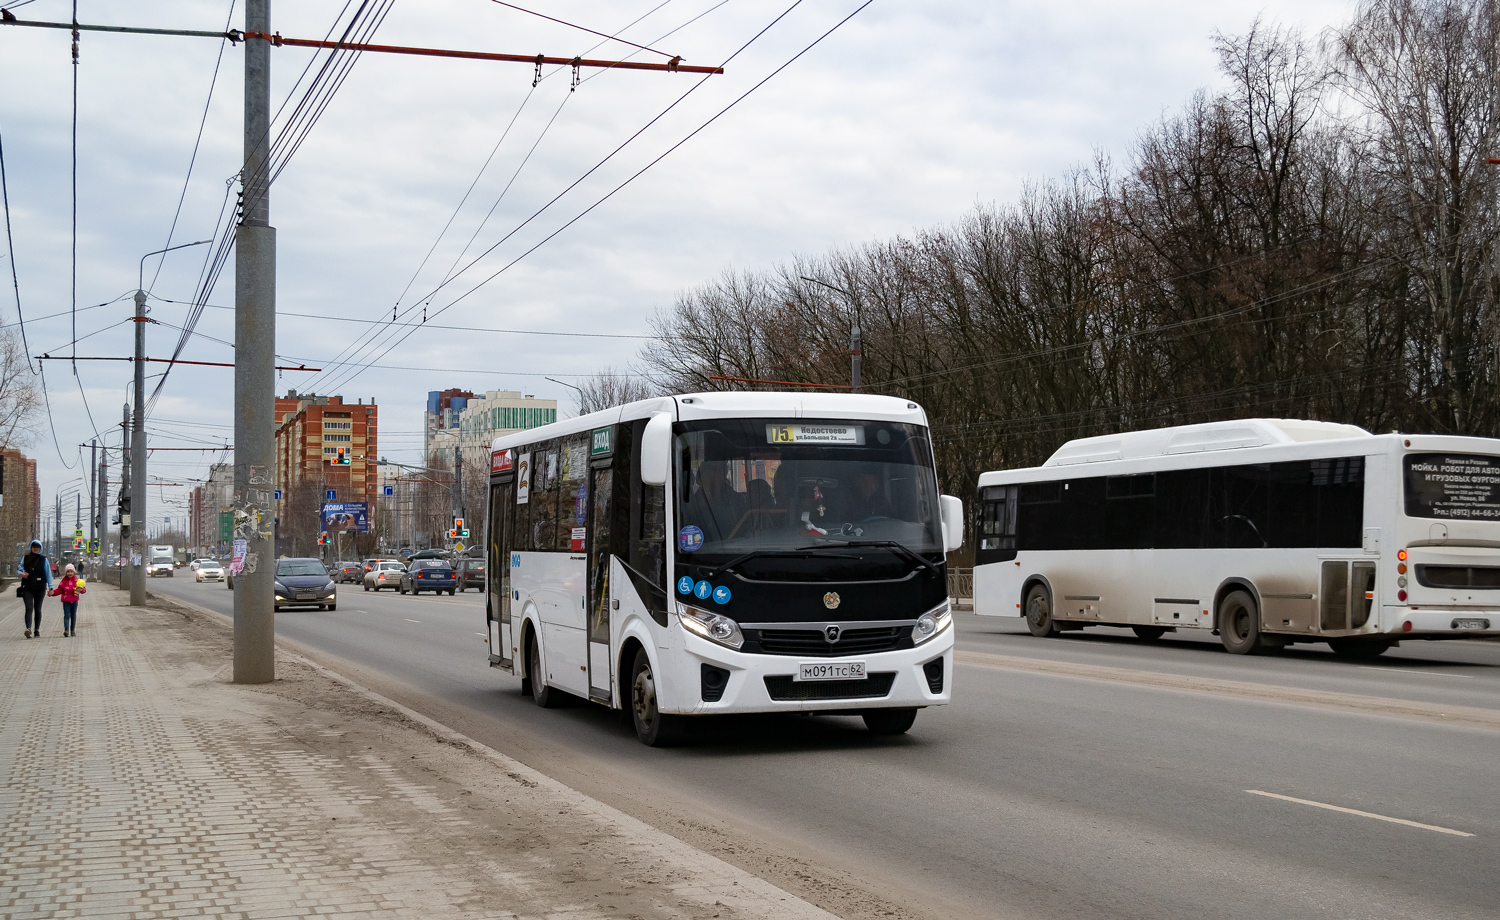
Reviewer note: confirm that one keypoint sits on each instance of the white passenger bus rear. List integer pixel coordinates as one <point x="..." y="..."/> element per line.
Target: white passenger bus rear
<point x="1265" y="531"/>
<point x="725" y="553"/>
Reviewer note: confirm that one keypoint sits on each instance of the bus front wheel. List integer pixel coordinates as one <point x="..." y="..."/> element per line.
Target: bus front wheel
<point x="654" y="727"/>
<point x="1239" y="624"/>
<point x="1039" y="612"/>
<point x="541" y="694"/>
<point x="889" y="721"/>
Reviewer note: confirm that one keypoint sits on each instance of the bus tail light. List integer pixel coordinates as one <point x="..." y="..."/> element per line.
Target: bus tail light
<point x="1400" y="595"/>
<point x="1401" y="554"/>
<point x="1406" y="627"/>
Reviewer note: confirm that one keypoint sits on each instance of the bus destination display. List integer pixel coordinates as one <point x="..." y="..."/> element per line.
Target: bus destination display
<point x="815" y="434"/>
<point x="1463" y="486"/>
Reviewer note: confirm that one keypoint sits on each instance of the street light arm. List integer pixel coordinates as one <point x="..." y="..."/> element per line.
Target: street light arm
<point x="140" y="277"/>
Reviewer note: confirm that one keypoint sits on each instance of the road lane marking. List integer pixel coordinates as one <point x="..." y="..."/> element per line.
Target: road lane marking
<point x="1483" y="717"/>
<point x="1362" y="814"/>
<point x="486" y="635"/>
<point x="1370" y="667"/>
<point x="411" y="620"/>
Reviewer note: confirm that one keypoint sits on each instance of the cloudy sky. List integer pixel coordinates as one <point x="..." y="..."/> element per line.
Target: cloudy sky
<point x="905" y="117"/>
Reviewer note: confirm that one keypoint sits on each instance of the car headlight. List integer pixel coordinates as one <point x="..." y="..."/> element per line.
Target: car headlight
<point x="930" y="624"/>
<point x="331" y="587"/>
<point x="714" y="627"/>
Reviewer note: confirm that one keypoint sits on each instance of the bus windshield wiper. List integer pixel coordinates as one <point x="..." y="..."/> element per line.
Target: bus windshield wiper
<point x="805" y="552"/>
<point x="899" y="548"/>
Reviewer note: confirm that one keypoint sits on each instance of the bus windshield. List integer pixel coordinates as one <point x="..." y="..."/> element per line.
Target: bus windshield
<point x="774" y="485"/>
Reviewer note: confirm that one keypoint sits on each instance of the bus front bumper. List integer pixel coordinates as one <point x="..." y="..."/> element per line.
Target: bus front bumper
<point x="920" y="676"/>
<point x="1441" y="622"/>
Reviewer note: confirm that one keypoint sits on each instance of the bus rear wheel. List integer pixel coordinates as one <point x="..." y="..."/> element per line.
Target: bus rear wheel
<point x="1039" y="612"/>
<point x="1359" y="649"/>
<point x="889" y="721"/>
<point x="1149" y="633"/>
<point x="1239" y="624"/>
<point x="652" y="726"/>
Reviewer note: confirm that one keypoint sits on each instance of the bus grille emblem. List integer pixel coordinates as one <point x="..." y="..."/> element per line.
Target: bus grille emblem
<point x="832" y="634"/>
<point x="831" y="600"/>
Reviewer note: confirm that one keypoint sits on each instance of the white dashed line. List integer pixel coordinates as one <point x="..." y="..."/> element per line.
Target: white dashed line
<point x="1362" y="814"/>
<point x="1370" y="667"/>
<point x="411" y="621"/>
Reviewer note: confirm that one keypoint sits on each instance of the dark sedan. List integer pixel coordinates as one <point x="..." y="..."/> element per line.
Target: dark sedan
<point x="470" y="574"/>
<point x="434" y="575"/>
<point x="304" y="583"/>
<point x="349" y="573"/>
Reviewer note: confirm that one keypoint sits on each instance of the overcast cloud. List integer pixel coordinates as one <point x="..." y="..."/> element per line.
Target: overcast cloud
<point x="906" y="117"/>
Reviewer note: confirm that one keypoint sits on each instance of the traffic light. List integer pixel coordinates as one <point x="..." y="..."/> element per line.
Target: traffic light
<point x="323" y="538"/>
<point x="342" y="458"/>
<point x="459" y="530"/>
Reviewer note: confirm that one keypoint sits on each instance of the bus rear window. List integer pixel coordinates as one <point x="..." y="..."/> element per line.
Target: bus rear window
<point x="1459" y="486"/>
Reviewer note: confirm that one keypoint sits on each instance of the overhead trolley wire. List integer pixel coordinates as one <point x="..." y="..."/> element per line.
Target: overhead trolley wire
<point x="607" y="157"/>
<point x="649" y="165"/>
<point x="613" y="38"/>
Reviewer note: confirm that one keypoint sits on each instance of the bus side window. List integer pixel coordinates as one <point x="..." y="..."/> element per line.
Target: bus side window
<point x="997" y="524"/>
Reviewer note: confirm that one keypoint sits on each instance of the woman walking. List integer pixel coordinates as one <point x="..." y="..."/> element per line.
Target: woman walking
<point x="36" y="579"/>
<point x="68" y="589"/>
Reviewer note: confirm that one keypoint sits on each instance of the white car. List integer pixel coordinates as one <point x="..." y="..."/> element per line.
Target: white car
<point x="161" y="565"/>
<point x="384" y="575"/>
<point x="208" y="570"/>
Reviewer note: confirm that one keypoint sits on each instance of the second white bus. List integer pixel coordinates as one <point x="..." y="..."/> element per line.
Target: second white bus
<point x="1264" y="531"/>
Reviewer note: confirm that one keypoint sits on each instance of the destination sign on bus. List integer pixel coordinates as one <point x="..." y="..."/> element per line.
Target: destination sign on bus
<point x="815" y="434"/>
<point x="1463" y="486"/>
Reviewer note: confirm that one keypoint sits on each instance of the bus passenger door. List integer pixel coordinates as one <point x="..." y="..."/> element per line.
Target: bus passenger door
<point x="600" y="677"/>
<point x="497" y="574"/>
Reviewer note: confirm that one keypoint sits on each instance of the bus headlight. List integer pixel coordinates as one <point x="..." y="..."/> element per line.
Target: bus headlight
<point x="714" y="627"/>
<point x="930" y="624"/>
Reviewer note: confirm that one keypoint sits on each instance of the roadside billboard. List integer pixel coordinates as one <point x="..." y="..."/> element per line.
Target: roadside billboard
<point x="345" y="516"/>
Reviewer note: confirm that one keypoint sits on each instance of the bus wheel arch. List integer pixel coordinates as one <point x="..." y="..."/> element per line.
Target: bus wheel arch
<point x="624" y="665"/>
<point x="1037" y="607"/>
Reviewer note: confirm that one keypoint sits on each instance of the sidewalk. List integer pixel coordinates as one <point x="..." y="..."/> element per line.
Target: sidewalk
<point x="138" y="782"/>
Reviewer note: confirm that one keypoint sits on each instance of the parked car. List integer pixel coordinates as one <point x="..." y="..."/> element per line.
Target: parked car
<point x="207" y="570"/>
<point x="304" y="583"/>
<point x="386" y="574"/>
<point x="470" y="573"/>
<point x="434" y="575"/>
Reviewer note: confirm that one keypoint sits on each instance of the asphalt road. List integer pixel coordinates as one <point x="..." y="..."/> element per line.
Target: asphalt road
<point x="1064" y="792"/>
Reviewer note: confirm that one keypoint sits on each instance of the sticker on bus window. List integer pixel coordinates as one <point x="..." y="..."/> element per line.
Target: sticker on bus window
<point x="690" y="539"/>
<point x="575" y="542"/>
<point x="523" y="479"/>
<point x="685" y="585"/>
<point x="815" y="434"/>
<point x="721" y="595"/>
<point x="702" y="590"/>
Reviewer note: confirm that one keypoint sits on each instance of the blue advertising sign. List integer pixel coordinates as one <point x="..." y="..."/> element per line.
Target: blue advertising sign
<point x="345" y="516"/>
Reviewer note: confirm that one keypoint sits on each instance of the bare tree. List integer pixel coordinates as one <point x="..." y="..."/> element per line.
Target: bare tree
<point x="20" y="395"/>
<point x="609" y="388"/>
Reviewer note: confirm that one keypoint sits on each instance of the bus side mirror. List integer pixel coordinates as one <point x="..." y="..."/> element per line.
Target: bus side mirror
<point x="953" y="522"/>
<point x="656" y="450"/>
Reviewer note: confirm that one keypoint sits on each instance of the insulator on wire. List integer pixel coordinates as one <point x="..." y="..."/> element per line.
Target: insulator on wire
<point x="576" y="62"/>
<point x="538" y="78"/>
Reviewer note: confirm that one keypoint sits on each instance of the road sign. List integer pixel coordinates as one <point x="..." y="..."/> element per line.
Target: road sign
<point x="93" y="546"/>
<point x="77" y="533"/>
<point x="278" y="495"/>
<point x="458" y="547"/>
<point x="330" y="494"/>
<point x="390" y="490"/>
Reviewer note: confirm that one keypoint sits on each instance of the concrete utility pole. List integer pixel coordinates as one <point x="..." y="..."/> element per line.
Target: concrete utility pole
<point x="93" y="491"/>
<point x="103" y="502"/>
<point x="458" y="483"/>
<point x="138" y="461"/>
<point x="254" y="368"/>
<point x="125" y="491"/>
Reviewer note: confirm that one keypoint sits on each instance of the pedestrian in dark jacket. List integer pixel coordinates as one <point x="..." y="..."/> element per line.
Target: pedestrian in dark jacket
<point x="69" y="588"/>
<point x="36" y="580"/>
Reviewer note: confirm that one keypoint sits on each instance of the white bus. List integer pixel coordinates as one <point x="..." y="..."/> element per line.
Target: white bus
<point x="1266" y="531"/>
<point x="725" y="553"/>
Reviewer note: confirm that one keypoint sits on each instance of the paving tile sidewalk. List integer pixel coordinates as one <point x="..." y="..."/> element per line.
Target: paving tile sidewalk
<point x="137" y="782"/>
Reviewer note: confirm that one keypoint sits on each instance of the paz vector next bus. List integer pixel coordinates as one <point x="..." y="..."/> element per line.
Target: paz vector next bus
<point x="725" y="553"/>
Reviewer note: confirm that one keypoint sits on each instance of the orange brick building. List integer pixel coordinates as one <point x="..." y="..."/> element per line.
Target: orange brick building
<point x="310" y="430"/>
